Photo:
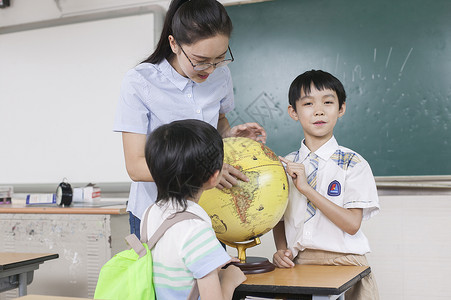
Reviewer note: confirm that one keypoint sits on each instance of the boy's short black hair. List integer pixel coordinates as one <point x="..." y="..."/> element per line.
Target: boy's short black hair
<point x="322" y="80"/>
<point x="181" y="157"/>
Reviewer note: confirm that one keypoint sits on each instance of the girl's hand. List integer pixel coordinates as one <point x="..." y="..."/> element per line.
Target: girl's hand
<point x="283" y="259"/>
<point x="232" y="260"/>
<point x="297" y="173"/>
<point x="230" y="177"/>
<point x="232" y="275"/>
<point x="249" y="130"/>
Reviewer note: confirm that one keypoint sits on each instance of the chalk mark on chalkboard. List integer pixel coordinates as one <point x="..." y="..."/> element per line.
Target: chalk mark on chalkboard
<point x="336" y="63"/>
<point x="374" y="60"/>
<point x="263" y="109"/>
<point x="405" y="60"/>
<point x="357" y="71"/>
<point x="388" y="57"/>
<point x="234" y="118"/>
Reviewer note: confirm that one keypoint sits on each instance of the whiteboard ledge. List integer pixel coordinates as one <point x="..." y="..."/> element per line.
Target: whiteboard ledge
<point x="414" y="182"/>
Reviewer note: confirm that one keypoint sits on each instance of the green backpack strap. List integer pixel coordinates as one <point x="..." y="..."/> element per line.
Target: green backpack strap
<point x="136" y="245"/>
<point x="171" y="220"/>
<point x="144" y="225"/>
<point x="134" y="242"/>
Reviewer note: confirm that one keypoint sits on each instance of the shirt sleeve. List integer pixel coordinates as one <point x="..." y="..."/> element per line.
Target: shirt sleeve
<point x="360" y="190"/>
<point x="201" y="250"/>
<point x="227" y="103"/>
<point x="132" y="114"/>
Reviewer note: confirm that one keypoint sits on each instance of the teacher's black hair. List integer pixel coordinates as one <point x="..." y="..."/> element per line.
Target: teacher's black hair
<point x="189" y="22"/>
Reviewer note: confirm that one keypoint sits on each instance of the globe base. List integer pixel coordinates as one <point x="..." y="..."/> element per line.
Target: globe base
<point x="255" y="265"/>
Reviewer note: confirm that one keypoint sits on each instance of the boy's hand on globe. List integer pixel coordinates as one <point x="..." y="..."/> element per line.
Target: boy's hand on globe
<point x="283" y="259"/>
<point x="249" y="130"/>
<point x="229" y="177"/>
<point x="297" y="173"/>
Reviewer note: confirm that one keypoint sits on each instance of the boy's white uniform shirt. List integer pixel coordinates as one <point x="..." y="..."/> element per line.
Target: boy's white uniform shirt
<point x="345" y="178"/>
<point x="155" y="94"/>
<point x="189" y="249"/>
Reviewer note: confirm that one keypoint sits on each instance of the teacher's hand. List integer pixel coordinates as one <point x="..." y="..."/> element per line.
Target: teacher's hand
<point x="230" y="177"/>
<point x="249" y="130"/>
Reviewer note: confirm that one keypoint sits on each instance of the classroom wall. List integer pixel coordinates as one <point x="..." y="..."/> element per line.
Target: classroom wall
<point x="59" y="86"/>
<point x="381" y="61"/>
<point x="26" y="11"/>
<point x="61" y="67"/>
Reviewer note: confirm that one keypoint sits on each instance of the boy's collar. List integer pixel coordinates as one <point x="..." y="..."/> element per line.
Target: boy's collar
<point x="324" y="152"/>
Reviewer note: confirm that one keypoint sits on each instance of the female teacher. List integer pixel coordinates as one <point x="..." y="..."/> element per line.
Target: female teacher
<point x="186" y="77"/>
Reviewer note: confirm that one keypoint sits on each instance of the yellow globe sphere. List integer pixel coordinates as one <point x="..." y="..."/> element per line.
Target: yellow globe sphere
<point x="253" y="208"/>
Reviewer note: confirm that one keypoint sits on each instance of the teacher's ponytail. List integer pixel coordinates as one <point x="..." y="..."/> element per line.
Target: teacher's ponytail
<point x="190" y="21"/>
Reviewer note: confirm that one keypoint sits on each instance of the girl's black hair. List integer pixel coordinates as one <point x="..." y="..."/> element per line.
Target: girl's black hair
<point x="181" y="157"/>
<point x="189" y="22"/>
<point x="322" y="80"/>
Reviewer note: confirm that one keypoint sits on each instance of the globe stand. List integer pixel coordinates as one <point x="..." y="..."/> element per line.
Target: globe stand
<point x="252" y="264"/>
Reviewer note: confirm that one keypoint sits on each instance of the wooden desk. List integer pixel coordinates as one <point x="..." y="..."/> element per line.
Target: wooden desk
<point x="54" y="209"/>
<point x="302" y="282"/>
<point x="21" y="265"/>
<point x="84" y="237"/>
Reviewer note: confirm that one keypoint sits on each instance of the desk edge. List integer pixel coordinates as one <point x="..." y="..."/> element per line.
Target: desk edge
<point x="306" y="290"/>
<point x="38" y="260"/>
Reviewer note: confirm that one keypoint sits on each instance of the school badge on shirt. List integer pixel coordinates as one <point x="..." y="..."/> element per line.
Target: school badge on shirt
<point x="334" y="188"/>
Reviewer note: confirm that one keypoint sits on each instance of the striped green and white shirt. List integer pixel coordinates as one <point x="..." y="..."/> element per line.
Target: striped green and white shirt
<point x="188" y="250"/>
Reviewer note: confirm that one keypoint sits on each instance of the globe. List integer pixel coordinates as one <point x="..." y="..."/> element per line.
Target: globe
<point x="247" y="211"/>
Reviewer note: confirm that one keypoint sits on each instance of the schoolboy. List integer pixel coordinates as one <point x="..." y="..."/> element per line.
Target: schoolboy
<point x="332" y="187"/>
<point x="185" y="158"/>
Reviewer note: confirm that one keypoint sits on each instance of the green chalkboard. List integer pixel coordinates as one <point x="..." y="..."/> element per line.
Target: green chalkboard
<point x="393" y="57"/>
